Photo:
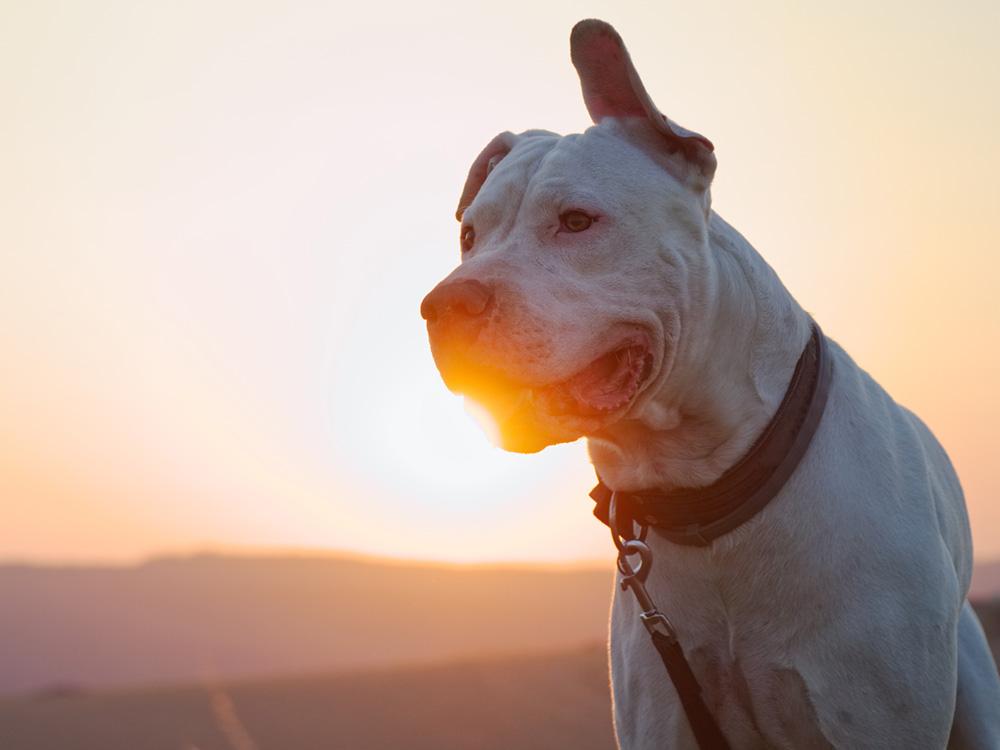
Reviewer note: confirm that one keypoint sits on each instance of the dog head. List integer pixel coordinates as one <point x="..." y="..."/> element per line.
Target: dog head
<point x="583" y="258"/>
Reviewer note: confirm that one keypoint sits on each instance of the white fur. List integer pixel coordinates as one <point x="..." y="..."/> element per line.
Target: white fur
<point x="837" y="616"/>
<point x="834" y="617"/>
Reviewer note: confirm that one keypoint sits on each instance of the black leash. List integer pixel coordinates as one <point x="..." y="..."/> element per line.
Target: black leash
<point x="698" y="516"/>
<point x="661" y="631"/>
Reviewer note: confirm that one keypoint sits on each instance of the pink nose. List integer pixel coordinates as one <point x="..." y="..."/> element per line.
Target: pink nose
<point x="468" y="298"/>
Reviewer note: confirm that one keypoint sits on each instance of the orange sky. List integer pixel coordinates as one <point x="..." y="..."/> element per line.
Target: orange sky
<point x="219" y="220"/>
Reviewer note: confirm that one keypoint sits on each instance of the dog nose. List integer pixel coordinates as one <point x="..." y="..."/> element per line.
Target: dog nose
<point x="467" y="297"/>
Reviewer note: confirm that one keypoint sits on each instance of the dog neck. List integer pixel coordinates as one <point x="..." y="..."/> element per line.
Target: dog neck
<point x="729" y="374"/>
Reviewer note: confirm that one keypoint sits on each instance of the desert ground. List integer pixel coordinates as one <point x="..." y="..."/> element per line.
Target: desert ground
<point x="543" y="701"/>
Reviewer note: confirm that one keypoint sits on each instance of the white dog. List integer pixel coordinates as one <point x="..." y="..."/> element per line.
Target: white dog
<point x="599" y="295"/>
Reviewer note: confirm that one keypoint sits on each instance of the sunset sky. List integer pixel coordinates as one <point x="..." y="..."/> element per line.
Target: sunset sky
<point x="217" y="221"/>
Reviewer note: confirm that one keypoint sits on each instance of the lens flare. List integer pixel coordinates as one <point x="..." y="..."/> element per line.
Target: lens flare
<point x="484" y="419"/>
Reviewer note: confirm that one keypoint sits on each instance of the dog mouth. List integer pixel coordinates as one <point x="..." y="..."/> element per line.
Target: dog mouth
<point x="606" y="386"/>
<point x="526" y="417"/>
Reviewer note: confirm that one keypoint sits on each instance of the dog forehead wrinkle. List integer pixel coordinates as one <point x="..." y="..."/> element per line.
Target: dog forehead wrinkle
<point x="541" y="175"/>
<point x="576" y="171"/>
<point x="631" y="177"/>
<point x="553" y="172"/>
<point x="499" y="200"/>
<point x="562" y="193"/>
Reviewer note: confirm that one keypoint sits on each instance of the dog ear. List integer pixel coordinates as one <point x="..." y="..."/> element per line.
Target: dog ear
<point x="612" y="88"/>
<point x="488" y="158"/>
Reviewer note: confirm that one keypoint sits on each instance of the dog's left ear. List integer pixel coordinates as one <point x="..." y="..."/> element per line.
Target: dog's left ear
<point x="488" y="158"/>
<point x="612" y="88"/>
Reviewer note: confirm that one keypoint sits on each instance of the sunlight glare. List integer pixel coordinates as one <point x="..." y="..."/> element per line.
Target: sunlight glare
<point x="484" y="419"/>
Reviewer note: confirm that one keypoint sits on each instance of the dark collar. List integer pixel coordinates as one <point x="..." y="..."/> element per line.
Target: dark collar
<point x="699" y="515"/>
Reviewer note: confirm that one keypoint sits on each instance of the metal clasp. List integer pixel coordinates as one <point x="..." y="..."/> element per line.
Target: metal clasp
<point x="629" y="543"/>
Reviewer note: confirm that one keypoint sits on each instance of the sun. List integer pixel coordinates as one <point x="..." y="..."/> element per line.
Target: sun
<point x="447" y="445"/>
<point x="403" y="433"/>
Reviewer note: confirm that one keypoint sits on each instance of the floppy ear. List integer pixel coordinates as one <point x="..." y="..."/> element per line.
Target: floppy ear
<point x="612" y="88"/>
<point x="488" y="158"/>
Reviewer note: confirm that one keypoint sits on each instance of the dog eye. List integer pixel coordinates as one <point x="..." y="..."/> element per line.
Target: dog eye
<point x="575" y="221"/>
<point x="468" y="238"/>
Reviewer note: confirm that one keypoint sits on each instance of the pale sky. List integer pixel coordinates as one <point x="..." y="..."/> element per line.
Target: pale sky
<point x="217" y="220"/>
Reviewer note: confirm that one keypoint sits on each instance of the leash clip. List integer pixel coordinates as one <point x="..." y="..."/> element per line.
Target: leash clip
<point x="629" y="544"/>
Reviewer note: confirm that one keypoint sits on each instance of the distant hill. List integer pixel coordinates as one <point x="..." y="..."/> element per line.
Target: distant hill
<point x="985" y="581"/>
<point x="185" y="619"/>
<point x="224" y="617"/>
<point x="515" y="703"/>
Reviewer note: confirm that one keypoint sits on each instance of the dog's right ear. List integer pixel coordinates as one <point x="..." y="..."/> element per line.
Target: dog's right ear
<point x="488" y="158"/>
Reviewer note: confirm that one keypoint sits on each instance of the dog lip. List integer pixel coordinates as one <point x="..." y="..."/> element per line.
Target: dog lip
<point x="606" y="386"/>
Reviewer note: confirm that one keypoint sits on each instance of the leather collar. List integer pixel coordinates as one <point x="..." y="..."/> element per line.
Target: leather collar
<point x="696" y="516"/>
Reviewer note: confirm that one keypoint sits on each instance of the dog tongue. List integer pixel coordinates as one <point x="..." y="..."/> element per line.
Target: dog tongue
<point x="610" y="381"/>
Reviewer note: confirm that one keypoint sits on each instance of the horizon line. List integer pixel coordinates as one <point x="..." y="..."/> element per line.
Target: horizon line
<point x="248" y="552"/>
